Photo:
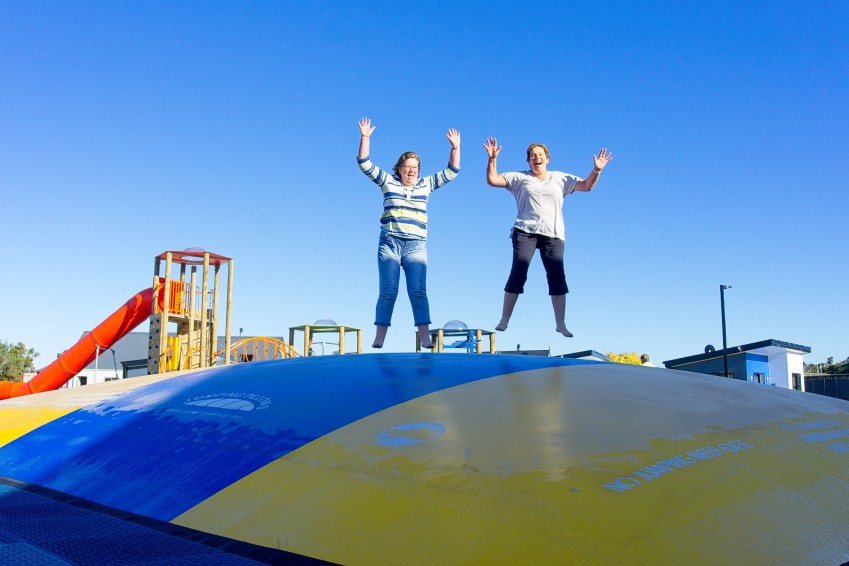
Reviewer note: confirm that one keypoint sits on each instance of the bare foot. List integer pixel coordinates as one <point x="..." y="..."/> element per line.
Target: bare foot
<point x="427" y="346"/>
<point x="379" y="336"/>
<point x="502" y="326"/>
<point x="564" y="331"/>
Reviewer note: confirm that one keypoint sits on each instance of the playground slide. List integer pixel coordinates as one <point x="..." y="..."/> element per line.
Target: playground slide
<point x="72" y="361"/>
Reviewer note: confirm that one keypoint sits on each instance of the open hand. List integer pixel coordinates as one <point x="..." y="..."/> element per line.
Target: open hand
<point x="492" y="148"/>
<point x="365" y="127"/>
<point x="602" y="159"/>
<point x="454" y="137"/>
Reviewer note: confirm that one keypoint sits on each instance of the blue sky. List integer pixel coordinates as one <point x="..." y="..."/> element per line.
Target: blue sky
<point x="131" y="128"/>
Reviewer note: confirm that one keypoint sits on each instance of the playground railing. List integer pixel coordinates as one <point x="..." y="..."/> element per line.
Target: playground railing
<point x="183" y="299"/>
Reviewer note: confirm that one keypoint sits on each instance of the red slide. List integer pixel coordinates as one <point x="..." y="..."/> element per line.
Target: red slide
<point x="72" y="361"/>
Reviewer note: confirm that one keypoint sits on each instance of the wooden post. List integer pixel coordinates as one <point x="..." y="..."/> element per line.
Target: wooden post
<point x="215" y="298"/>
<point x="418" y="343"/>
<point x="204" y="317"/>
<point x="478" y="346"/>
<point x="492" y="343"/>
<point x="229" y="312"/>
<point x="166" y="306"/>
<point x="292" y="338"/>
<point x="307" y="340"/>
<point x="341" y="340"/>
<point x="439" y="340"/>
<point x="154" y="325"/>
<point x="157" y="263"/>
<point x="193" y="317"/>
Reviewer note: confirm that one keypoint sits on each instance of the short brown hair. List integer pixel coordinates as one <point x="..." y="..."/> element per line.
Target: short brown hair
<point x="532" y="146"/>
<point x="404" y="157"/>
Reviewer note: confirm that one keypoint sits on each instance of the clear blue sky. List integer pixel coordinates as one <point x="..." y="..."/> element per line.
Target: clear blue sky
<point x="131" y="128"/>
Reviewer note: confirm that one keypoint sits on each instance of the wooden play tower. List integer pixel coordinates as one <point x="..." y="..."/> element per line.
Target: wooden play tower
<point x="192" y="307"/>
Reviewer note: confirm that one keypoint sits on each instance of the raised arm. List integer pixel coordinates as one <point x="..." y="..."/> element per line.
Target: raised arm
<point x="454" y="157"/>
<point x="493" y="179"/>
<point x="600" y="161"/>
<point x="365" y="134"/>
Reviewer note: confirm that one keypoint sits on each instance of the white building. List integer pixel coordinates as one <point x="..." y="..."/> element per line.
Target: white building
<point x="768" y="362"/>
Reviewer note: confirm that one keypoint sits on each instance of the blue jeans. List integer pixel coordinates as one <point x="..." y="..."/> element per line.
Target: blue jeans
<point x="393" y="253"/>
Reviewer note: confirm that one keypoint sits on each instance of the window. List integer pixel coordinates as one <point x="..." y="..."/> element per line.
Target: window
<point x="797" y="381"/>
<point x="134" y="368"/>
<point x="758" y="377"/>
<point x="83" y="379"/>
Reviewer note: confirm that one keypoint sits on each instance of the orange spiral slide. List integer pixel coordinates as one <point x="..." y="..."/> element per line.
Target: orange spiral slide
<point x="72" y="361"/>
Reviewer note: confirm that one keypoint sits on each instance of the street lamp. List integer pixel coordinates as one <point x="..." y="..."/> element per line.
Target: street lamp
<point x="722" y="289"/>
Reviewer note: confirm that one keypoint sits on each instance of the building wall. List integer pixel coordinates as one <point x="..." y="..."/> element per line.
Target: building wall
<point x="778" y="370"/>
<point x="758" y="363"/>
<point x="715" y="366"/>
<point x="777" y="365"/>
<point x="795" y="364"/>
<point x="88" y="376"/>
<point x="91" y="376"/>
<point x="782" y="367"/>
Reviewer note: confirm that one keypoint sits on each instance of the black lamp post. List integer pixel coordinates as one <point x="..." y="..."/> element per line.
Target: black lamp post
<point x="722" y="289"/>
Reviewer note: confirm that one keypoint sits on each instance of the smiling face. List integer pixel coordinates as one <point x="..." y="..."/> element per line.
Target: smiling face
<point x="538" y="158"/>
<point x="407" y="168"/>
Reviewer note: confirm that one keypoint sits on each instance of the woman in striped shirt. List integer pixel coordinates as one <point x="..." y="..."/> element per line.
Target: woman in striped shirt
<point x="403" y="230"/>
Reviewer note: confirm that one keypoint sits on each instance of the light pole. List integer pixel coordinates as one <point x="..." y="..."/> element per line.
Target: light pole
<point x="722" y="289"/>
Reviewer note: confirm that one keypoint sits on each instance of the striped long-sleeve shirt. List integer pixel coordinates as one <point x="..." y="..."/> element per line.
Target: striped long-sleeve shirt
<point x="405" y="208"/>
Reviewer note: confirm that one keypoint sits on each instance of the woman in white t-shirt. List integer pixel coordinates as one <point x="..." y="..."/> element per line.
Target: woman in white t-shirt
<point x="539" y="195"/>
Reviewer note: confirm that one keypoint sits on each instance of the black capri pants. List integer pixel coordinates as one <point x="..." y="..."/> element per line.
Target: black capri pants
<point x="551" y="252"/>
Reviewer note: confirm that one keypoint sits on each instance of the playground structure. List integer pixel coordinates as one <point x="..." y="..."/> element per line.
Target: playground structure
<point x="310" y="330"/>
<point x="192" y="308"/>
<point x="470" y="339"/>
<point x="178" y="300"/>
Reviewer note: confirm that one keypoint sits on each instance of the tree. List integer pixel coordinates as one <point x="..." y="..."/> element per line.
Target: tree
<point x="15" y="359"/>
<point x="839" y="367"/>
<point x="625" y="358"/>
<point x="829" y="367"/>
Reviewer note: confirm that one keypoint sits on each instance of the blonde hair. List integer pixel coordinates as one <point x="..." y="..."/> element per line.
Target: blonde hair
<point x="532" y="146"/>
<point x="404" y="157"/>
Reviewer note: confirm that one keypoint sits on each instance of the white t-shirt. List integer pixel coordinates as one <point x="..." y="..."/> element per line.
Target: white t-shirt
<point x="540" y="203"/>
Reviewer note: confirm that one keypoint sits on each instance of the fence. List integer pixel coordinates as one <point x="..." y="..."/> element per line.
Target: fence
<point x="836" y="386"/>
